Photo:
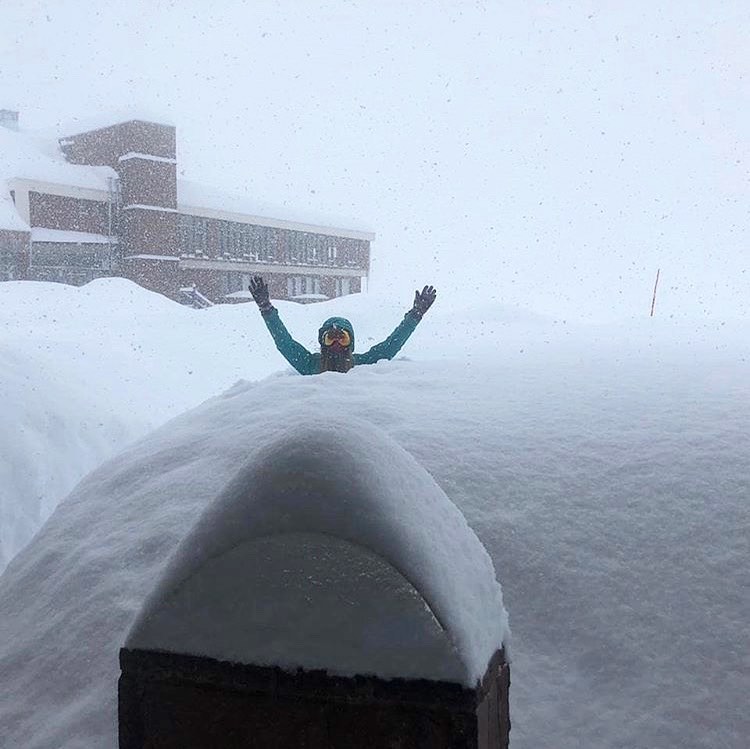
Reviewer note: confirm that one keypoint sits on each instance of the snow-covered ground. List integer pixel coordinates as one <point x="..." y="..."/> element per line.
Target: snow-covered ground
<point x="605" y="470"/>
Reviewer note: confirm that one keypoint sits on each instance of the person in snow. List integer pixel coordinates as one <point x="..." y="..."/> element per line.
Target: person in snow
<point x="336" y="335"/>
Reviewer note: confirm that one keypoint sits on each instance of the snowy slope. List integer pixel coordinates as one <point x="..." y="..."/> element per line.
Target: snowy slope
<point x="605" y="470"/>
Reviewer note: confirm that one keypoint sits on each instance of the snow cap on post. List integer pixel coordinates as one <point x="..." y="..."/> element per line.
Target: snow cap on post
<point x="331" y="549"/>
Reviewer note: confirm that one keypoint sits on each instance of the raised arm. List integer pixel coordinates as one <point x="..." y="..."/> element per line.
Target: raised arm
<point x="295" y="353"/>
<point x="388" y="348"/>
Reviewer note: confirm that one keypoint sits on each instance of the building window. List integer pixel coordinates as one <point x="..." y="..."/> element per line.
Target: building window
<point x="303" y="247"/>
<point x="8" y="262"/>
<point x="294" y="247"/>
<point x="301" y="285"/>
<point x="235" y="281"/>
<point x="200" y="235"/>
<point x="235" y="240"/>
<point x="246" y="240"/>
<point x="271" y="241"/>
<point x="192" y="234"/>
<point x="343" y="286"/>
<point x="224" y="237"/>
<point x="332" y="253"/>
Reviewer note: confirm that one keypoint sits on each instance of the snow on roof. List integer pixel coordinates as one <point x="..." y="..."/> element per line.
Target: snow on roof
<point x="152" y="256"/>
<point x="37" y="156"/>
<point x="310" y="297"/>
<point x="146" y="157"/>
<point x="27" y="156"/>
<point x="331" y="548"/>
<point x="40" y="234"/>
<point x="104" y="119"/>
<point x="9" y="218"/>
<point x="193" y="195"/>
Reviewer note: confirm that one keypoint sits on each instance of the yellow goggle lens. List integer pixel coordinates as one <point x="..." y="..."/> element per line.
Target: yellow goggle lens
<point x="342" y="336"/>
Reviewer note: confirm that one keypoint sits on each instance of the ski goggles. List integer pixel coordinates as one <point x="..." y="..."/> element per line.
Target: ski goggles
<point x="337" y="335"/>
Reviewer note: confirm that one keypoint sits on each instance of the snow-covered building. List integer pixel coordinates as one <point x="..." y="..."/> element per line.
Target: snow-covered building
<point x="107" y="202"/>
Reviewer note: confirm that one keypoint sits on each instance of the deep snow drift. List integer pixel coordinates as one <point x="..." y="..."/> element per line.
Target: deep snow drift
<point x="605" y="470"/>
<point x="86" y="370"/>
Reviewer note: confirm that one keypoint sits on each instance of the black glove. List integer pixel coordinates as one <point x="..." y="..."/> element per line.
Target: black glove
<point x="259" y="289"/>
<point x="423" y="301"/>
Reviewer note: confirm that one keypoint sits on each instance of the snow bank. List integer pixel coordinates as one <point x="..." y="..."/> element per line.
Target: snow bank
<point x="332" y="549"/>
<point x="98" y="556"/>
<point x="605" y="470"/>
<point x="85" y="370"/>
<point x="52" y="432"/>
<point x="138" y="359"/>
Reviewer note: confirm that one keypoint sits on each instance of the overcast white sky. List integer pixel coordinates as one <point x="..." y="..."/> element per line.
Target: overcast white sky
<point x="547" y="154"/>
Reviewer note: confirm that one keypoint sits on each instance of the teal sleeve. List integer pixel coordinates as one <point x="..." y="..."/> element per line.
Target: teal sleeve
<point x="295" y="353"/>
<point x="391" y="345"/>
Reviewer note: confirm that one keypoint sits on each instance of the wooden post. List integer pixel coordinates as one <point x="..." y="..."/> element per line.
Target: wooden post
<point x="653" y="300"/>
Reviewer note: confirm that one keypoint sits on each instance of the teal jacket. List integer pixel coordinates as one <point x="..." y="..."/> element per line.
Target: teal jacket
<point x="308" y="363"/>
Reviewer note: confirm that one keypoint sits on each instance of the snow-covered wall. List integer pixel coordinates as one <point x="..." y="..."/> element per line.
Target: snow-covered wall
<point x="332" y="549"/>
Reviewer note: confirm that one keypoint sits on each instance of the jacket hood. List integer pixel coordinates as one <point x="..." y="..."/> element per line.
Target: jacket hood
<point x="339" y="322"/>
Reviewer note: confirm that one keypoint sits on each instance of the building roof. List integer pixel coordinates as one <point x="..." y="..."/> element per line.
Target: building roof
<point x="203" y="200"/>
<point x="38" y="157"/>
<point x="104" y="119"/>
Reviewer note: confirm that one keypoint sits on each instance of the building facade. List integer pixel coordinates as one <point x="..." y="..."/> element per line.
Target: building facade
<point x="133" y="219"/>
